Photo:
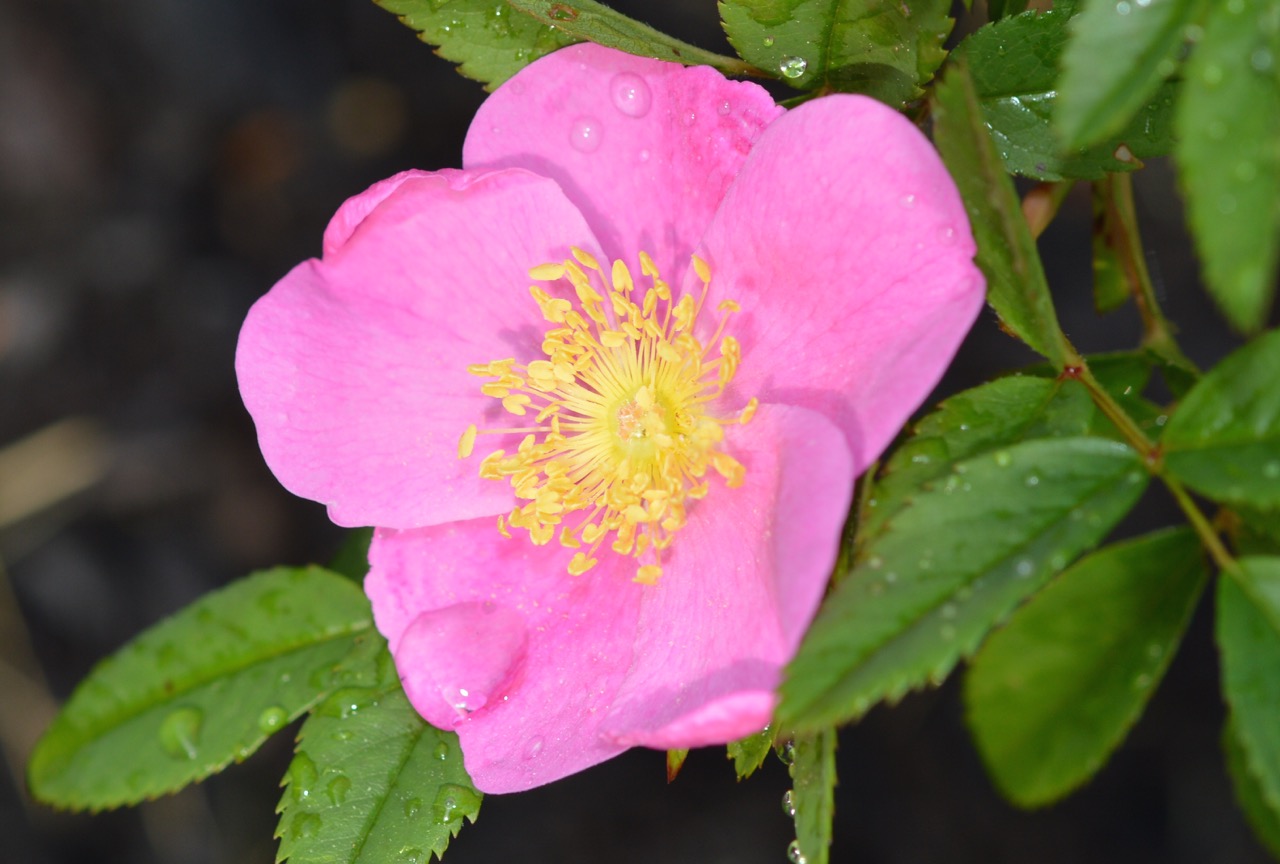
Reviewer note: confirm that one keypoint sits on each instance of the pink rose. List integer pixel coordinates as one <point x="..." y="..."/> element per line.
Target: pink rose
<point x="827" y="262"/>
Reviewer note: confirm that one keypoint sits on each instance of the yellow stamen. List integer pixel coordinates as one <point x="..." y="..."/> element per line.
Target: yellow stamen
<point x="623" y="435"/>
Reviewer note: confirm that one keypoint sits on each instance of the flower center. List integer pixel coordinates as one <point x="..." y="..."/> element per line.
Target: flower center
<point x="621" y="437"/>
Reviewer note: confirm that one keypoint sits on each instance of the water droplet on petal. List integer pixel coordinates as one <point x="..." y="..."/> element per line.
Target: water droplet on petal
<point x="644" y="155"/>
<point x="690" y="118"/>
<point x="908" y="201"/>
<point x="631" y="95"/>
<point x="533" y="748"/>
<point x="793" y="67"/>
<point x="585" y="135"/>
<point x="180" y="732"/>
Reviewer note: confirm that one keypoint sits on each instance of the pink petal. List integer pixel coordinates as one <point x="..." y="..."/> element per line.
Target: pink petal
<point x="847" y="244"/>
<point x="598" y="663"/>
<point x="742" y="582"/>
<point x="644" y="149"/>
<point x="544" y="700"/>
<point x="354" y="366"/>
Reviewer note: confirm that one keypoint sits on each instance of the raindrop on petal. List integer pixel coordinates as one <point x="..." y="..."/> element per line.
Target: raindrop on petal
<point x="631" y="95"/>
<point x="585" y="135"/>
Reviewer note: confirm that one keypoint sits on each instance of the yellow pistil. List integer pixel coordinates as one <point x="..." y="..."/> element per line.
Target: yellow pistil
<point x="620" y="438"/>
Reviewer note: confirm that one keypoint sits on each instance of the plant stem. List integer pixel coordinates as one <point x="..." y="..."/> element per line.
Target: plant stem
<point x="1158" y="333"/>
<point x="1152" y="458"/>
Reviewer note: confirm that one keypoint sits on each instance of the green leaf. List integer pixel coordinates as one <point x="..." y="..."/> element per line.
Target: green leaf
<point x="1228" y="155"/>
<point x="371" y="782"/>
<point x="1224" y="439"/>
<point x="1118" y="56"/>
<point x="1015" y="73"/>
<point x="948" y="568"/>
<point x="883" y="49"/>
<point x="1016" y="286"/>
<point x="812" y="798"/>
<point x="1264" y="819"/>
<point x="587" y="20"/>
<point x="988" y="417"/>
<point x="749" y="753"/>
<point x="1248" y="630"/>
<point x="489" y="41"/>
<point x="1054" y="692"/>
<point x="200" y="689"/>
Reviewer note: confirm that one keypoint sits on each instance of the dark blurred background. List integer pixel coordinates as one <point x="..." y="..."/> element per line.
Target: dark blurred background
<point x="162" y="163"/>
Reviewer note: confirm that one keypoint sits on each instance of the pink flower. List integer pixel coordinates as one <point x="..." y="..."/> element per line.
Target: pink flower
<point x="826" y="259"/>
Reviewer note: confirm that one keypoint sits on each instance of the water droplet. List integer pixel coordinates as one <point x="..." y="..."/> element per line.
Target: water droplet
<point x="412" y="855"/>
<point x="1003" y="459"/>
<point x="180" y="732"/>
<point x="282" y="418"/>
<point x="1162" y="419"/>
<point x="875" y="562"/>
<point x="631" y="95"/>
<point x="585" y="135"/>
<point x="793" y="67"/>
<point x="920" y="459"/>
<point x="787" y="753"/>
<point x="1032" y="480"/>
<point x="1155" y="650"/>
<point x="1122" y="153"/>
<point x="272" y="719"/>
<point x="338" y="788"/>
<point x="794" y="855"/>
<point x="724" y="108"/>
<point x="453" y="802"/>
<point x="789" y="803"/>
<point x="907" y="201"/>
<point x="533" y="748"/>
<point x="412" y="807"/>
<point x="768" y="41"/>
<point x="1025" y="568"/>
<point x="442" y="751"/>
<point x="644" y="155"/>
<point x="1122" y="8"/>
<point x="304" y="826"/>
<point x="690" y="118"/>
<point x="1142" y="681"/>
